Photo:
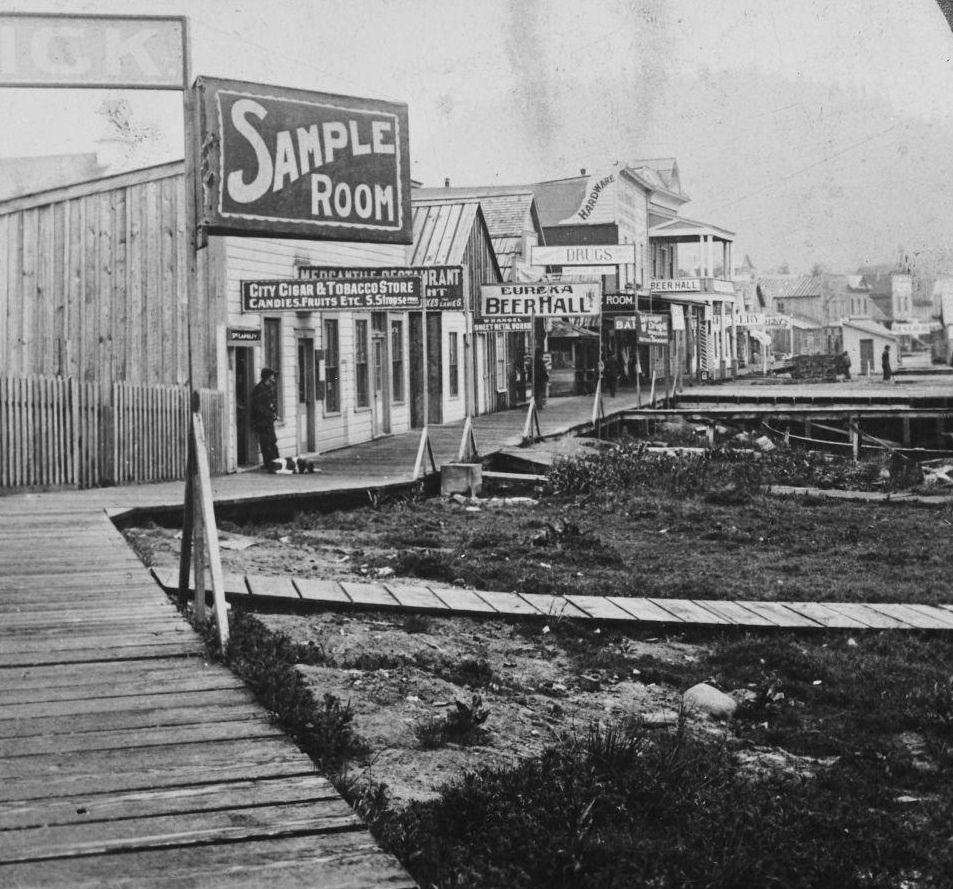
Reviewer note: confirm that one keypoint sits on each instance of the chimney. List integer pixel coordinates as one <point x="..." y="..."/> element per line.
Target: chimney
<point x="582" y="171"/>
<point x="446" y="182"/>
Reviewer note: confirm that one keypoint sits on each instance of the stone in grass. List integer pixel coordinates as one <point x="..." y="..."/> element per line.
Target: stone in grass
<point x="706" y="700"/>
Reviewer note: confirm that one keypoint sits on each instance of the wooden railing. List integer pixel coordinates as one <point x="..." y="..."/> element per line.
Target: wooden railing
<point x="56" y="432"/>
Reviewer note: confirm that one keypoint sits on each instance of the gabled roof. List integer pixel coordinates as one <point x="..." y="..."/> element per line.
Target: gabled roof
<point x="442" y="231"/>
<point x="788" y="286"/>
<point x="869" y="326"/>
<point x="559" y="199"/>
<point x="505" y="208"/>
<point x="660" y="174"/>
<point x="689" y="228"/>
<point x="21" y="176"/>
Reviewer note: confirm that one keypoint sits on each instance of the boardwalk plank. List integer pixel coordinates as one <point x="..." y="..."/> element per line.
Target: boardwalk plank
<point x="735" y="613"/>
<point x="783" y="617"/>
<point x="416" y="598"/>
<point x="181" y="829"/>
<point x="825" y="616"/>
<point x="185" y="647"/>
<point x="137" y="686"/>
<point x="348" y="860"/>
<point x="600" y="608"/>
<point x="689" y="612"/>
<point x="264" y="587"/>
<point x="941" y="615"/>
<point x="142" y="803"/>
<point x="911" y="616"/>
<point x="868" y="616"/>
<point x="373" y="595"/>
<point x="463" y="601"/>
<point x="644" y="609"/>
<point x="509" y="604"/>
<point x="555" y="607"/>
<point x="315" y="590"/>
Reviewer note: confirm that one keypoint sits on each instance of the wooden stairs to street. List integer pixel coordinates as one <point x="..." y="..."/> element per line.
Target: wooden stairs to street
<point x="126" y="758"/>
<point x="302" y="594"/>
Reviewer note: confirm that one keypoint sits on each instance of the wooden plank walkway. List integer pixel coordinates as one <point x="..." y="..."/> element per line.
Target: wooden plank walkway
<point x="304" y="594"/>
<point x="128" y="760"/>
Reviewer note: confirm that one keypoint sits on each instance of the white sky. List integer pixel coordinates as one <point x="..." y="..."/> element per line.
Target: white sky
<point x="819" y="130"/>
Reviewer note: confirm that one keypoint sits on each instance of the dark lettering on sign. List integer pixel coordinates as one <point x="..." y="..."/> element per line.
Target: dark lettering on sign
<point x="443" y="284"/>
<point x="354" y="294"/>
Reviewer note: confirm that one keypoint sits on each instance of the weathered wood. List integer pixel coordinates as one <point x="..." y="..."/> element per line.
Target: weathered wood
<point x="349" y="860"/>
<point x="910" y="616"/>
<point x="320" y="590"/>
<point x="736" y="613"/>
<point x="824" y="616"/>
<point x="374" y="595"/>
<point x="600" y="608"/>
<point x="416" y="598"/>
<point x="554" y="607"/>
<point x="138" y="686"/>
<point x="510" y="604"/>
<point x="463" y="601"/>
<point x="262" y="586"/>
<point x="783" y="617"/>
<point x="644" y="609"/>
<point x="869" y="617"/>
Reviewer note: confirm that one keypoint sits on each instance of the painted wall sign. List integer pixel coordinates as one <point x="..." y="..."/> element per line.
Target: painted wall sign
<point x="777" y="321"/>
<point x="597" y="204"/>
<point x="243" y="336"/>
<point x="502" y="325"/>
<point x="623" y="301"/>
<point x="678" y="318"/>
<point x="104" y="51"/>
<point x="443" y="284"/>
<point x="750" y="319"/>
<point x="351" y="294"/>
<point x="914" y="328"/>
<point x="592" y="254"/>
<point x="654" y="328"/>
<point x="290" y="163"/>
<point x="675" y="285"/>
<point x="630" y="323"/>
<point x="540" y="299"/>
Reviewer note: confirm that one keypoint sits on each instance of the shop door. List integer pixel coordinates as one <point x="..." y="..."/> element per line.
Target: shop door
<point x="306" y="396"/>
<point x="381" y="390"/>
<point x="866" y="356"/>
<point x="433" y="379"/>
<point x="245" y="441"/>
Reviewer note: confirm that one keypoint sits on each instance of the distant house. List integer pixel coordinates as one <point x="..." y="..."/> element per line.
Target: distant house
<point x="864" y="341"/>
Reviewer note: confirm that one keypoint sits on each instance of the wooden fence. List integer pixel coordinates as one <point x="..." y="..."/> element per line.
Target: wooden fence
<point x="56" y="432"/>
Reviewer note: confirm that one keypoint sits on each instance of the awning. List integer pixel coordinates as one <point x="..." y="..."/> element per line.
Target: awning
<point x="565" y="330"/>
<point x="760" y="336"/>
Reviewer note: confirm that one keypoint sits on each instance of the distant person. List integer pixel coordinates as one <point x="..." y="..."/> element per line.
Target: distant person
<point x="264" y="412"/>
<point x="610" y="372"/>
<point x="885" y="364"/>
<point x="540" y="379"/>
<point x="845" y="365"/>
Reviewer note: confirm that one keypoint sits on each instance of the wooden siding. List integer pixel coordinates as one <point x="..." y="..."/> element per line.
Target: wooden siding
<point x="94" y="284"/>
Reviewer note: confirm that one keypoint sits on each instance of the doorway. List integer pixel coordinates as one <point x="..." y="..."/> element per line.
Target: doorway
<point x="306" y="396"/>
<point x="246" y="446"/>
<point x="381" y="402"/>
<point x="866" y="356"/>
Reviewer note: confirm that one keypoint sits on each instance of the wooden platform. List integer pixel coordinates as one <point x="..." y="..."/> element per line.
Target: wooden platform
<point x="126" y="759"/>
<point x="302" y="594"/>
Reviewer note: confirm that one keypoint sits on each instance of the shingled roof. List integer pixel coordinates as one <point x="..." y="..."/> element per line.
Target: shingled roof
<point x="788" y="286"/>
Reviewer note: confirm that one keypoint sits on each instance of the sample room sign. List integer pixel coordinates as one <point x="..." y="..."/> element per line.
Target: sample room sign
<point x="289" y="163"/>
<point x="351" y="294"/>
<point x="443" y="284"/>
<point x="541" y="300"/>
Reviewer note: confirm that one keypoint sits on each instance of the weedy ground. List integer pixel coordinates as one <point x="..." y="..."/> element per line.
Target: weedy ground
<point x="508" y="754"/>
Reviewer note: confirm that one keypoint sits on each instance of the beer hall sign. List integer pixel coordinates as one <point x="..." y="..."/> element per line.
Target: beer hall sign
<point x="540" y="300"/>
<point x="350" y="294"/>
<point x="289" y="163"/>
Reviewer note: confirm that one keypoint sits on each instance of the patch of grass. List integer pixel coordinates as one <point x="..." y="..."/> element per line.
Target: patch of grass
<point x="618" y="807"/>
<point x="461" y="725"/>
<point x="468" y="672"/>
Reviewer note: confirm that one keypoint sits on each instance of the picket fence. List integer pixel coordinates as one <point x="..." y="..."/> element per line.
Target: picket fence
<point x="56" y="432"/>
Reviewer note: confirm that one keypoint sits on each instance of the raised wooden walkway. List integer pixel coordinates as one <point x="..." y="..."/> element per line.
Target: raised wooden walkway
<point x="126" y="759"/>
<point x="300" y="593"/>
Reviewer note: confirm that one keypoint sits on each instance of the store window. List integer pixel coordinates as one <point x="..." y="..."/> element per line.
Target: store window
<point x="362" y="371"/>
<point x="332" y="367"/>
<point x="271" y="349"/>
<point x="397" y="358"/>
<point x="501" y="362"/>
<point x="453" y="353"/>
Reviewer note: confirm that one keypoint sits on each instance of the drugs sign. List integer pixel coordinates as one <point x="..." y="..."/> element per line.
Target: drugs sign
<point x="290" y="163"/>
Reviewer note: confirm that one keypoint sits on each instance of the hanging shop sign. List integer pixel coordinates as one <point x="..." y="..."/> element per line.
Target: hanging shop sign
<point x="913" y="328"/>
<point x="630" y="323"/>
<point x="443" y="284"/>
<point x="588" y="254"/>
<point x="347" y="294"/>
<point x="290" y="163"/>
<point x="777" y="321"/>
<point x="750" y="319"/>
<point x="93" y="51"/>
<point x="540" y="300"/>
<point x="675" y="285"/>
<point x="623" y="301"/>
<point x="243" y="336"/>
<point x="654" y="328"/>
<point x="678" y="318"/>
<point x="502" y="325"/>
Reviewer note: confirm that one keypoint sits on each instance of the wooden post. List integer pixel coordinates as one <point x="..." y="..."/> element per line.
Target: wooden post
<point x="188" y="513"/>
<point x="906" y="431"/>
<point x="854" y="437"/>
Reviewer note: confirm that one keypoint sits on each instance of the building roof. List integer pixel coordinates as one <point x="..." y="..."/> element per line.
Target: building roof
<point x="442" y="231"/>
<point x="788" y="286"/>
<point x="869" y="326"/>
<point x="559" y="199"/>
<point x="689" y="228"/>
<point x="21" y="176"/>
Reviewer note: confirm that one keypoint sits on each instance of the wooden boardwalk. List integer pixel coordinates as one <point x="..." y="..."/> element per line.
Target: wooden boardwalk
<point x="303" y="594"/>
<point x="128" y="760"/>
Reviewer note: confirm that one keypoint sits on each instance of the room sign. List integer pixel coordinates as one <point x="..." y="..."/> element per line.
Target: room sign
<point x="290" y="163"/>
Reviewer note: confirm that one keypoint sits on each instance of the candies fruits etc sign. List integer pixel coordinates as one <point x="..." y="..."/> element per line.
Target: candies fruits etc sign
<point x="520" y="300"/>
<point x="443" y="284"/>
<point x="351" y="294"/>
<point x="290" y="163"/>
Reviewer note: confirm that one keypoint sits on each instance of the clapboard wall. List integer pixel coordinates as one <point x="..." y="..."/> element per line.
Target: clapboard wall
<point x="93" y="284"/>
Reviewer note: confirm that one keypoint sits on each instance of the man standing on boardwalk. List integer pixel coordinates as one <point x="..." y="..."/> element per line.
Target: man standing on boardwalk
<point x="885" y="364"/>
<point x="264" y="412"/>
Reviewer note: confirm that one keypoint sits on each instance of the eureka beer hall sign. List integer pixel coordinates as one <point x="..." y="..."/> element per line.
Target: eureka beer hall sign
<point x="540" y="300"/>
<point x="289" y="163"/>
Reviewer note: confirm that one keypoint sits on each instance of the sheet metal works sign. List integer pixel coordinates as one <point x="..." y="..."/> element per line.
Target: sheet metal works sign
<point x="540" y="300"/>
<point x="290" y="163"/>
<point x="104" y="51"/>
<point x="351" y="294"/>
<point x="585" y="254"/>
<point x="443" y="284"/>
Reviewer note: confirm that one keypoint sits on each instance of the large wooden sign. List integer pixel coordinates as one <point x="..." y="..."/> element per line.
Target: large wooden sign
<point x="584" y="254"/>
<point x="289" y="163"/>
<point x="93" y="51"/>
<point x="443" y="284"/>
<point x="540" y="300"/>
<point x="351" y="294"/>
<point x="619" y="301"/>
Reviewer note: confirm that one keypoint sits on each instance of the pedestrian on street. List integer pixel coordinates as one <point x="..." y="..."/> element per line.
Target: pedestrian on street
<point x="264" y="412"/>
<point x="885" y="364"/>
<point x="540" y="379"/>
<point x="611" y="371"/>
<point x="845" y="365"/>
